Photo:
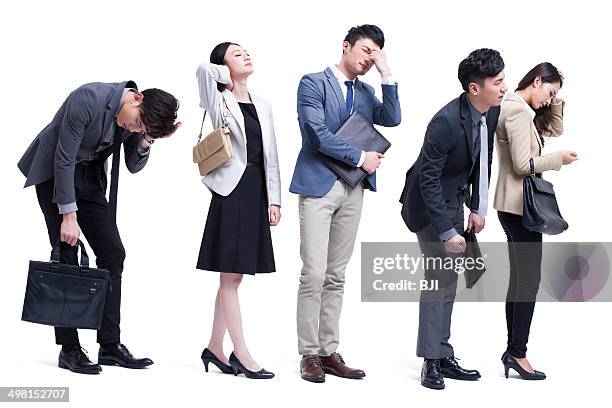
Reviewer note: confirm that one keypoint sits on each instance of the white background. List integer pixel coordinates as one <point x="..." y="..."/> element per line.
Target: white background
<point x="50" y="48"/>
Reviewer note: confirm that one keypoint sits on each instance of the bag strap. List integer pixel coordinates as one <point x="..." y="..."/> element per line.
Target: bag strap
<point x="224" y="112"/>
<point x="55" y="255"/>
<point x="532" y="166"/>
<point x="202" y="126"/>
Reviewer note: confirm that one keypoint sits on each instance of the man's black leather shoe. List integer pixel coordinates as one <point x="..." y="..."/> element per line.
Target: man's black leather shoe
<point x="76" y="360"/>
<point x="431" y="377"/>
<point x="119" y="355"/>
<point x="451" y="369"/>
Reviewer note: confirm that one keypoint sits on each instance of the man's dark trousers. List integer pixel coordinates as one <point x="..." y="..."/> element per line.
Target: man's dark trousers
<point x="436" y="306"/>
<point x="100" y="229"/>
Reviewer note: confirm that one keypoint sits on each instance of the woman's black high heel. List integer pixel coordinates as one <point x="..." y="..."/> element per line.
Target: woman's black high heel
<point x="239" y="368"/>
<point x="510" y="362"/>
<point x="209" y="357"/>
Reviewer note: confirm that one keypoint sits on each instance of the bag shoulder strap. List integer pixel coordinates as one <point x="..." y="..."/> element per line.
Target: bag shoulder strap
<point x="225" y="113"/>
<point x="202" y="126"/>
<point x="532" y="166"/>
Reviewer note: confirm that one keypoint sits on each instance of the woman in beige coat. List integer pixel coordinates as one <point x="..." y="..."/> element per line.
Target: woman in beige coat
<point x="529" y="114"/>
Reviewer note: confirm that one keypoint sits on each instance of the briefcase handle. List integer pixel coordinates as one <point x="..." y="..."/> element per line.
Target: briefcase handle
<point x="55" y="255"/>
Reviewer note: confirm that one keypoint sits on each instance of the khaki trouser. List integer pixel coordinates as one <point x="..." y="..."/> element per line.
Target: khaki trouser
<point x="328" y="228"/>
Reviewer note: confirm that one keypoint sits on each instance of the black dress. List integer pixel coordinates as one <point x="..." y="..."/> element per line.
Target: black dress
<point x="237" y="234"/>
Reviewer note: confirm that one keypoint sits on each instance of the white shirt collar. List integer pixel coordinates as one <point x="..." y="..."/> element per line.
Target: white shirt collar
<point x="339" y="75"/>
<point x="125" y="92"/>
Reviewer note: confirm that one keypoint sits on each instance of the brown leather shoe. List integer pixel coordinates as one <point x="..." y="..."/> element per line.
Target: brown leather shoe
<point x="310" y="368"/>
<point x="335" y="365"/>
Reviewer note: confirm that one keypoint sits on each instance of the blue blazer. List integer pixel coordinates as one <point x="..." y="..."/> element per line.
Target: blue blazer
<point x="320" y="106"/>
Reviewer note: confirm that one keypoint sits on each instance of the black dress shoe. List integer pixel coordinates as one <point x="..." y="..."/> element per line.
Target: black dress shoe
<point x="76" y="360"/>
<point x="431" y="377"/>
<point x="451" y="369"/>
<point x="503" y="357"/>
<point x="209" y="357"/>
<point x="510" y="362"/>
<point x="239" y="368"/>
<point x="119" y="355"/>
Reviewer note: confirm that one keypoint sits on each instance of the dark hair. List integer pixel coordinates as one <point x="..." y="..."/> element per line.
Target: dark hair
<point x="158" y="112"/>
<point x="217" y="56"/>
<point x="479" y="65"/>
<point x="549" y="74"/>
<point x="366" y="31"/>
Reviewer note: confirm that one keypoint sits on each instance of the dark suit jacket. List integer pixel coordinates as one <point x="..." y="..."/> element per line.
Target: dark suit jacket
<point x="320" y="106"/>
<point x="446" y="171"/>
<point x="83" y="126"/>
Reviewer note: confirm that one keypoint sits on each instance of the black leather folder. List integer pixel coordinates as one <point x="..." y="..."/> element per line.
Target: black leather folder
<point x="360" y="133"/>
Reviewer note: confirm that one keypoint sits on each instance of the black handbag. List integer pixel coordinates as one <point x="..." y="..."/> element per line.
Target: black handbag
<point x="540" y="209"/>
<point x="475" y="268"/>
<point x="65" y="295"/>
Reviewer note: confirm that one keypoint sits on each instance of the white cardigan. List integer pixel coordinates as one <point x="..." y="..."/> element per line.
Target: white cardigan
<point x="225" y="178"/>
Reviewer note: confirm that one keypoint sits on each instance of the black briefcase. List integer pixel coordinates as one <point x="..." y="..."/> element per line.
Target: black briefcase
<point x="63" y="295"/>
<point x="476" y="268"/>
<point x="360" y="133"/>
<point x="540" y="209"/>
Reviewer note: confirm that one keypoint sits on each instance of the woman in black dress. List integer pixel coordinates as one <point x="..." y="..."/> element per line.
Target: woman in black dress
<point x="245" y="199"/>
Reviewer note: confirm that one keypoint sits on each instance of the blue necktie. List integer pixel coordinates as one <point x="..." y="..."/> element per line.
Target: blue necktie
<point x="349" y="98"/>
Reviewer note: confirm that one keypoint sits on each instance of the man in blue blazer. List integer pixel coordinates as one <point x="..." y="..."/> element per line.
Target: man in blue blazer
<point x="452" y="170"/>
<point x="330" y="209"/>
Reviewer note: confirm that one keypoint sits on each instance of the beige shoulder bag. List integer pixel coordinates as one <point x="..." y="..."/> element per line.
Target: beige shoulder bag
<point x="216" y="148"/>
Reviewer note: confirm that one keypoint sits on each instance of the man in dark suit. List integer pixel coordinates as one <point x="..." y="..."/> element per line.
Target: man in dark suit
<point x="453" y="169"/>
<point x="67" y="164"/>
